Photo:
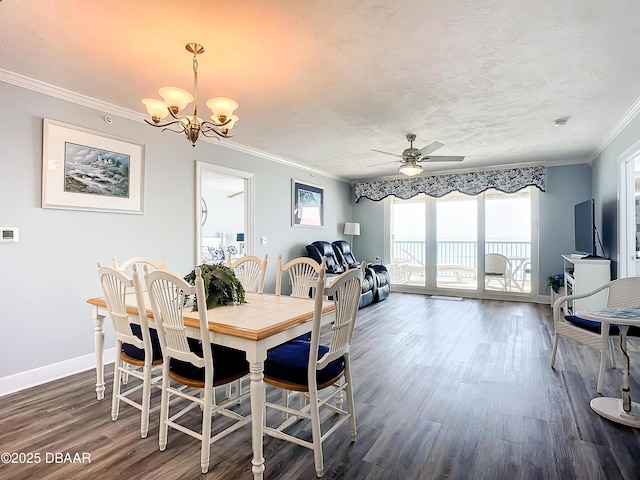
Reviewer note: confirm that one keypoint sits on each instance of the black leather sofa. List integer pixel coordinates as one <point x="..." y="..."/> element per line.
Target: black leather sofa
<point x="374" y="287"/>
<point x="382" y="284"/>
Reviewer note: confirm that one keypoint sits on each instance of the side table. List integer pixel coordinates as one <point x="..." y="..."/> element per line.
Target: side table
<point x="618" y="410"/>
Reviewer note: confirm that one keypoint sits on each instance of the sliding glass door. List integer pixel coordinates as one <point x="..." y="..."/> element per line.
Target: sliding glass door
<point x="508" y="241"/>
<point x="408" y="247"/>
<point x="478" y="244"/>
<point x="457" y="245"/>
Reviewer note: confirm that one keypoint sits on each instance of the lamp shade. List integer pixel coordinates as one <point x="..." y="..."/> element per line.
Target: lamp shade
<point x="351" y="228"/>
<point x="175" y="98"/>
<point x="156" y="108"/>
<point x="222" y="107"/>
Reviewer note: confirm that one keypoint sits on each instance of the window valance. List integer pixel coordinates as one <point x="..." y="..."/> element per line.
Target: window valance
<point x="471" y="183"/>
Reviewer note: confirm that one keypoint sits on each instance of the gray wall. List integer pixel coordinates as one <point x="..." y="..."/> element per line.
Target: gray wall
<point x="605" y="189"/>
<point x="566" y="186"/>
<point x="46" y="278"/>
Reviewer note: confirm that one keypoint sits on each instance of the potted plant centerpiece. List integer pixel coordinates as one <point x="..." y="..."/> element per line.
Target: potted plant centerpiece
<point x="221" y="285"/>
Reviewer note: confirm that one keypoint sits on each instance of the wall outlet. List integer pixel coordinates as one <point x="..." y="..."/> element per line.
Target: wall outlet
<point x="263" y="240"/>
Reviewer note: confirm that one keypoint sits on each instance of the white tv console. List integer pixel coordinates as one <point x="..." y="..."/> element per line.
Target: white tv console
<point x="581" y="275"/>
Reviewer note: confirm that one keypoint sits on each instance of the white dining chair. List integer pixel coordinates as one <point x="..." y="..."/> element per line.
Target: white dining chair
<point x="137" y="346"/>
<point x="192" y="362"/>
<point x="139" y="262"/>
<point x="320" y="373"/>
<point x="303" y="275"/>
<point x="251" y="271"/>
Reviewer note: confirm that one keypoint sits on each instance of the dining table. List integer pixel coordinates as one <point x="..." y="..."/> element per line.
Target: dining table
<point x="621" y="410"/>
<point x="263" y="322"/>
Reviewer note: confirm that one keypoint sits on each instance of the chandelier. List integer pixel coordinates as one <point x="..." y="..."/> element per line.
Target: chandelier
<point x="410" y="168"/>
<point x="176" y="99"/>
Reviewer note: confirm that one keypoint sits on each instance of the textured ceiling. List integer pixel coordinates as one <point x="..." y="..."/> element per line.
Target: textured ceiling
<point x="321" y="83"/>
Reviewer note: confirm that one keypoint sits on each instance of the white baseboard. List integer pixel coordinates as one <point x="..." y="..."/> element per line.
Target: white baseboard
<point x="38" y="376"/>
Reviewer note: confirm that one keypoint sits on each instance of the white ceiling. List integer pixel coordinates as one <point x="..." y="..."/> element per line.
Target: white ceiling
<point x="321" y="83"/>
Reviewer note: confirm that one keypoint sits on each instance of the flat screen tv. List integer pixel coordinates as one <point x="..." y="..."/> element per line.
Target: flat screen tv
<point x="584" y="216"/>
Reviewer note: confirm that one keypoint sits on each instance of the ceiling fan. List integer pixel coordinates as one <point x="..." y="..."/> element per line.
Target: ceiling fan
<point x="411" y="157"/>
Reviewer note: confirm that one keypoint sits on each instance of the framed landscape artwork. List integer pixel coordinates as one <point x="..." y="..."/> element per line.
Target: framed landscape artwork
<point x="307" y="205"/>
<point x="86" y="170"/>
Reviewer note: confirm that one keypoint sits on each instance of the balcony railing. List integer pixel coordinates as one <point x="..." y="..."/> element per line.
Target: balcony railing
<point x="464" y="254"/>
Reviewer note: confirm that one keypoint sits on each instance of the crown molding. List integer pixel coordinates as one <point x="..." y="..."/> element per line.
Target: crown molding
<point x="83" y="100"/>
<point x="617" y="129"/>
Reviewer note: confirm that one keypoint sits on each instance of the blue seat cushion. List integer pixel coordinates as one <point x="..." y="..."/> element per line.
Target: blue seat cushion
<point x="289" y="363"/>
<point x="595" y="326"/>
<point x="227" y="363"/>
<point x="138" y="353"/>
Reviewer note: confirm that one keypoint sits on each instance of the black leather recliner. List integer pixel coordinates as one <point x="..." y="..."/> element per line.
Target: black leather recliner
<point x="336" y="265"/>
<point x="382" y="279"/>
<point x="320" y="249"/>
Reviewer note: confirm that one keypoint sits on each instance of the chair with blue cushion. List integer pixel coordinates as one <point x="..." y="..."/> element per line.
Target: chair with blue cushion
<point x="321" y="373"/>
<point x="620" y="293"/>
<point x="192" y="362"/>
<point x="137" y="346"/>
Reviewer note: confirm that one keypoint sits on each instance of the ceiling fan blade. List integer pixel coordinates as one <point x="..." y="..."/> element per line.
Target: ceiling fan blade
<point x="442" y="159"/>
<point x="383" y="163"/>
<point x="432" y="147"/>
<point x="386" y="153"/>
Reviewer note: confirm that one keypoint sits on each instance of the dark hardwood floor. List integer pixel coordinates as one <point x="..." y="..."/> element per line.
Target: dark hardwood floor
<point x="444" y="390"/>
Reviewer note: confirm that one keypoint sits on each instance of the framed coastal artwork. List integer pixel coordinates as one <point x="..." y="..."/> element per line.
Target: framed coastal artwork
<point x="87" y="170"/>
<point x="307" y="204"/>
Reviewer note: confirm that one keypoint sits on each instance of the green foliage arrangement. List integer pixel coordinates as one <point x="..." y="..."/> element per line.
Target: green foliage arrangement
<point x="221" y="285"/>
<point x="555" y="282"/>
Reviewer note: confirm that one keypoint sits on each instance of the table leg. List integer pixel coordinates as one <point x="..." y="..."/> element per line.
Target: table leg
<point x="256" y="370"/>
<point x="623" y="410"/>
<point x="98" y="339"/>
<point x="626" y="394"/>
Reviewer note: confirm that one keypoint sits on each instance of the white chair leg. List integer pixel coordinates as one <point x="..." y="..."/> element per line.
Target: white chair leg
<point x="115" y="401"/>
<point x="316" y="433"/>
<point x="164" y="408"/>
<point x="603" y="361"/>
<point x="146" y="400"/>
<point x="351" y="406"/>
<point x="206" y="429"/>
<point x="612" y="351"/>
<point x="555" y="349"/>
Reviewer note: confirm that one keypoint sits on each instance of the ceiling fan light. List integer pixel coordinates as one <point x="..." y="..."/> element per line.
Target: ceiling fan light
<point x="222" y="108"/>
<point x="175" y="98"/>
<point x="410" y="169"/>
<point x="156" y="108"/>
